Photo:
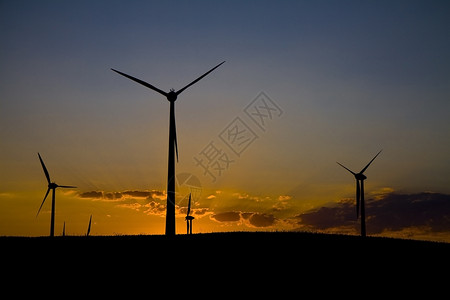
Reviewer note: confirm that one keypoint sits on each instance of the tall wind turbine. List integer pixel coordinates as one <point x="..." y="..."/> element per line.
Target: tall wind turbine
<point x="173" y="147"/>
<point x="360" y="177"/>
<point x="51" y="186"/>
<point x="189" y="218"/>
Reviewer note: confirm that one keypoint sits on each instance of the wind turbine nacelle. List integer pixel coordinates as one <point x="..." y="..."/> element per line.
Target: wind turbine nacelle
<point x="360" y="176"/>
<point x="52" y="185"/>
<point x="172" y="95"/>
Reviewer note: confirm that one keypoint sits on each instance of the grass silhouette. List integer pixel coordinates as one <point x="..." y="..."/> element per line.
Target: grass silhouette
<point x="276" y="241"/>
<point x="217" y="256"/>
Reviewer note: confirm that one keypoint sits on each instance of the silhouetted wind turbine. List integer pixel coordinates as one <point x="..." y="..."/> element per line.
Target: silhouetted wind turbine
<point x="173" y="147"/>
<point x="189" y="218"/>
<point x="51" y="186"/>
<point x="360" y="177"/>
<point x="89" y="226"/>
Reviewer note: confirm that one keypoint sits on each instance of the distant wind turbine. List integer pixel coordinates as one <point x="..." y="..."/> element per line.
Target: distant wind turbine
<point x="173" y="147"/>
<point x="51" y="186"/>
<point x="64" y="229"/>
<point x="360" y="207"/>
<point x="89" y="226"/>
<point x="189" y="218"/>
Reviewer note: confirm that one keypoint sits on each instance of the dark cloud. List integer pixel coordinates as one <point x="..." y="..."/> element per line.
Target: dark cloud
<point x="261" y="220"/>
<point x="397" y="211"/>
<point x="124" y="196"/>
<point x="246" y="215"/>
<point x="391" y="212"/>
<point x="230" y="216"/>
<point x="249" y="218"/>
<point x="328" y="217"/>
<point x="194" y="211"/>
<point x="111" y="196"/>
<point x="201" y="211"/>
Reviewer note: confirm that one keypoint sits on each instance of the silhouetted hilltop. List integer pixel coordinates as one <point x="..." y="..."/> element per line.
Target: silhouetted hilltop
<point x="221" y="258"/>
<point x="204" y="243"/>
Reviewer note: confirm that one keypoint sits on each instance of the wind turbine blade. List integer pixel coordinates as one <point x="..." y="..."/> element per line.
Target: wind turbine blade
<point x="189" y="205"/>
<point x="196" y="80"/>
<point x="46" y="194"/>
<point x="67" y="186"/>
<point x="142" y="82"/>
<point x="362" y="171"/>
<point x="89" y="226"/>
<point x="346" y="168"/>
<point x="358" y="194"/>
<point x="173" y="128"/>
<point x="45" y="169"/>
<point x="175" y="135"/>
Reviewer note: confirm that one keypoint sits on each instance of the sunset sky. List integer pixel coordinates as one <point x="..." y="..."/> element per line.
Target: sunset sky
<point x="305" y="84"/>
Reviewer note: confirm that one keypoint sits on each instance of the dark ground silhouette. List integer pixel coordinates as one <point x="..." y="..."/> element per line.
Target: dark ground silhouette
<point x="235" y="245"/>
<point x="255" y="263"/>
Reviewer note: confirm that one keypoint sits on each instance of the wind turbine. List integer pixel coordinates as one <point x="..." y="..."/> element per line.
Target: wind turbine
<point x="173" y="147"/>
<point x="360" y="177"/>
<point x="189" y="218"/>
<point x="51" y="186"/>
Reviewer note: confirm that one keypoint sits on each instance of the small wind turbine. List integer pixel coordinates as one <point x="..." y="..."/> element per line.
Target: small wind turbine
<point x="173" y="147"/>
<point x="89" y="226"/>
<point x="64" y="229"/>
<point x="189" y="218"/>
<point x="360" y="177"/>
<point x="51" y="186"/>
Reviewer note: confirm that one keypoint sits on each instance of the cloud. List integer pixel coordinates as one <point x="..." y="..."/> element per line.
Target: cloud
<point x="135" y="206"/>
<point x="241" y="196"/>
<point x="151" y="202"/>
<point x="261" y="220"/>
<point x="148" y="202"/>
<point x="154" y="208"/>
<point x="328" y="217"/>
<point x="282" y="203"/>
<point x="92" y="195"/>
<point x="112" y="195"/>
<point x="245" y="196"/>
<point x="137" y="194"/>
<point x="153" y="194"/>
<point x="201" y="211"/>
<point x="230" y="216"/>
<point x="284" y="197"/>
<point x="104" y="195"/>
<point x="250" y="219"/>
<point x="386" y="212"/>
<point x="197" y="212"/>
<point x="397" y="211"/>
